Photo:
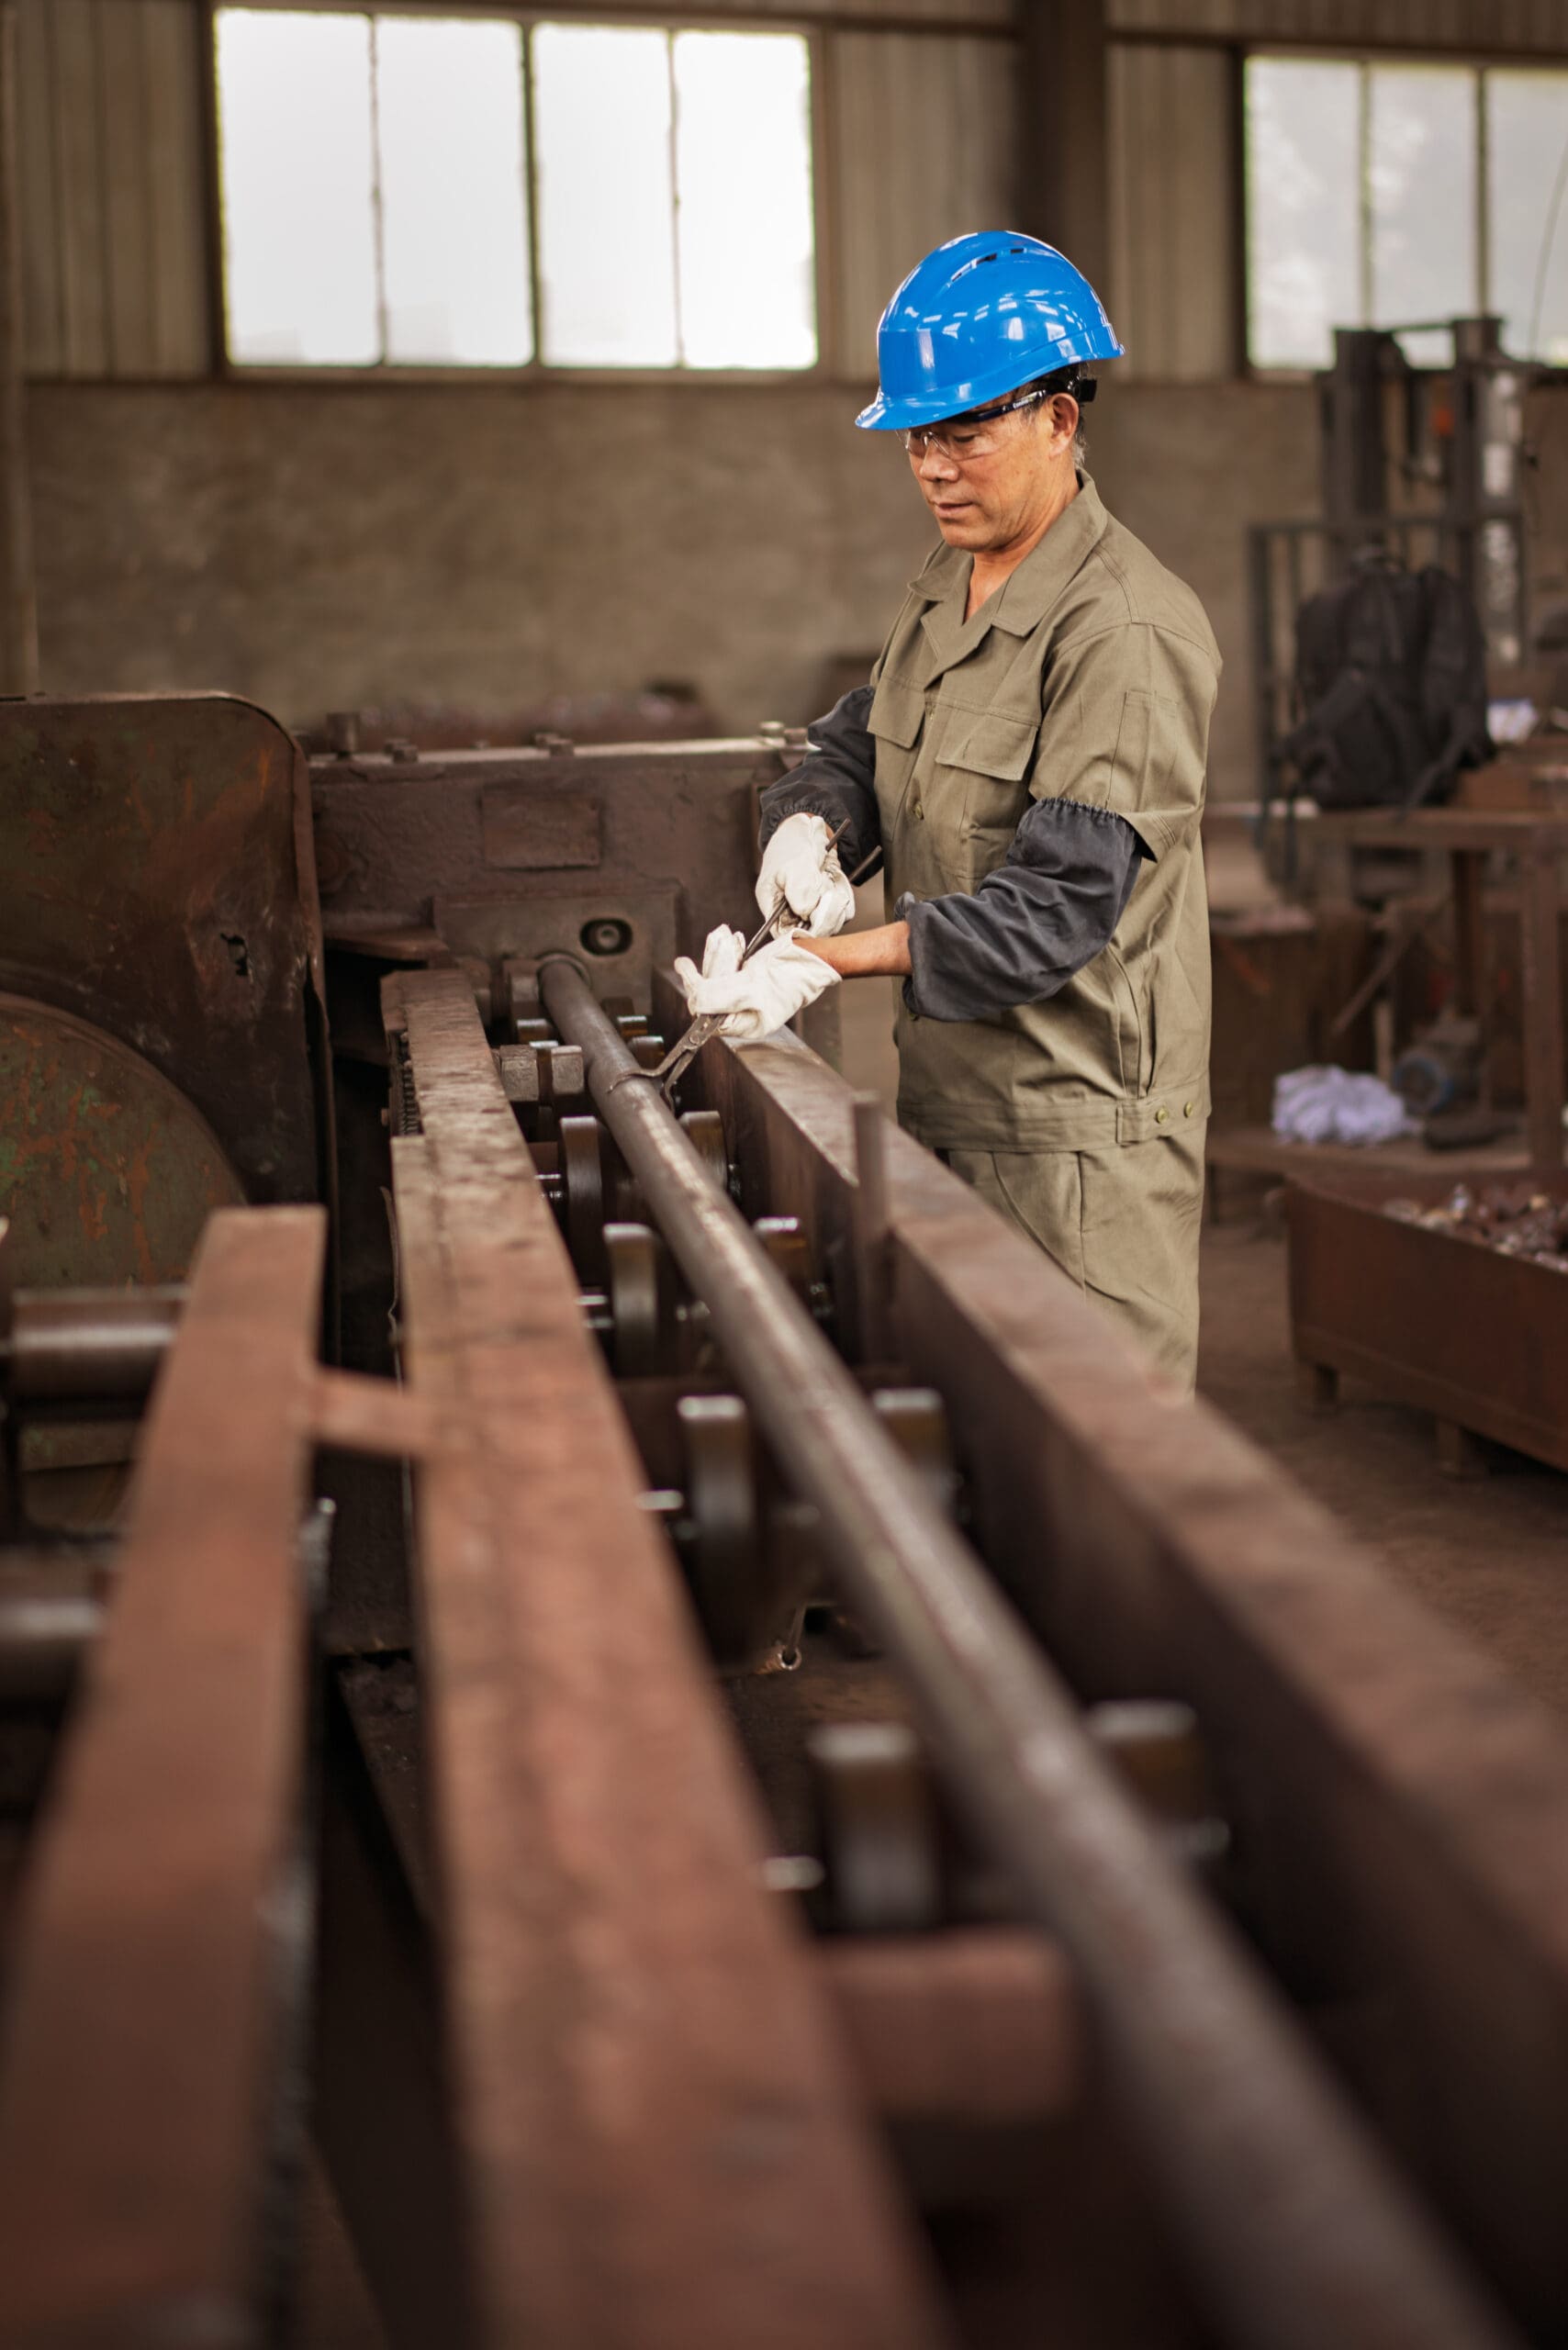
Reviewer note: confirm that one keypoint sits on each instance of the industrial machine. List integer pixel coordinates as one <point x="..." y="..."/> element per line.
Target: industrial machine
<point x="1423" y="464"/>
<point x="663" y="1692"/>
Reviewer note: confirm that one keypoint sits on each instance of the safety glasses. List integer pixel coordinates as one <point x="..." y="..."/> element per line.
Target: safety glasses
<point x="964" y="439"/>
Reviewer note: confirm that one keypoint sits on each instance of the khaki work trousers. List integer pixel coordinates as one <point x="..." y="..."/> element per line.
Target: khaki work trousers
<point x="1123" y="1225"/>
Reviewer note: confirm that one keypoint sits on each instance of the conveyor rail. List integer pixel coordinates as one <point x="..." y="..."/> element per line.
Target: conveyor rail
<point x="1237" y="2117"/>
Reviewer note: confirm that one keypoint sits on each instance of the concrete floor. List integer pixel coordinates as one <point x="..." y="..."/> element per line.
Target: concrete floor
<point x="1491" y="1556"/>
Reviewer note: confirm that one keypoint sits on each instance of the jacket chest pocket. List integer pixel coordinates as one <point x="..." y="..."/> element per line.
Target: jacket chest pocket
<point x="896" y="717"/>
<point x="981" y="791"/>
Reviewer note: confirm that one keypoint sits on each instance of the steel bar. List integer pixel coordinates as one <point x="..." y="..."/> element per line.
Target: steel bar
<point x="147" y="2027"/>
<point x="87" y="1342"/>
<point x="44" y="1635"/>
<point x="1300" y="2233"/>
<point x="658" y="2147"/>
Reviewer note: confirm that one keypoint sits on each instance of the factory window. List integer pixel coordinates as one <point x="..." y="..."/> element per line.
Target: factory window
<point x="412" y="192"/>
<point x="1382" y="194"/>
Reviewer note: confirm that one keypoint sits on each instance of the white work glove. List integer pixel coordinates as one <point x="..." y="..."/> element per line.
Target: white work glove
<point x="779" y="981"/>
<point x="800" y="865"/>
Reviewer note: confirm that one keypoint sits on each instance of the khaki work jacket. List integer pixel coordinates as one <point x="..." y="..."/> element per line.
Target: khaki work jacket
<point x="1090" y="676"/>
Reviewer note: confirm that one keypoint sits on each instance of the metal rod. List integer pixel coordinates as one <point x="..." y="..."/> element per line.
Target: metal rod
<point x="1300" y="2233"/>
<point x="44" y="1636"/>
<point x="87" y="1342"/>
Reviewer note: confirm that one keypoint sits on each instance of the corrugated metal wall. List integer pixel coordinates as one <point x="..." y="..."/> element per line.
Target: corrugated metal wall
<point x="922" y="138"/>
<point x="109" y="140"/>
<point x="1539" y="26"/>
<point x="1175" y="225"/>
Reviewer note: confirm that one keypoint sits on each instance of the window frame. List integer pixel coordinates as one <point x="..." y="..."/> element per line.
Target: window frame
<point x="537" y="371"/>
<point x="1477" y="64"/>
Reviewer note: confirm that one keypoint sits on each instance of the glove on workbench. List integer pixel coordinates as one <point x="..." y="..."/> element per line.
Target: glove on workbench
<point x="779" y="981"/>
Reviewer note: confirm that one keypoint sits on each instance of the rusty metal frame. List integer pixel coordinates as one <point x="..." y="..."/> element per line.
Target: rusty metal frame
<point x="154" y="2016"/>
<point x="162" y="886"/>
<point x="1398" y="1805"/>
<point x="1230" y="2109"/>
<point x="657" y="2142"/>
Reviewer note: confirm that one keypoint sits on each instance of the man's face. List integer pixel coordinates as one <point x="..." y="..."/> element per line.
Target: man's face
<point x="986" y="502"/>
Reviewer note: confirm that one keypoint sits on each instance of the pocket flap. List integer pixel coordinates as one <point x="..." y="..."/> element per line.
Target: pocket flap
<point x="898" y="713"/>
<point x="991" y="745"/>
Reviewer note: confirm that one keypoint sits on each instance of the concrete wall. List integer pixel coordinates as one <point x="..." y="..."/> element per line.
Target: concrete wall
<point x="328" y="548"/>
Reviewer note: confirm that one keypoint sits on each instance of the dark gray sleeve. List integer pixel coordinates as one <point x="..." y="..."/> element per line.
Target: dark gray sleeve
<point x="1040" y="917"/>
<point x="837" y="779"/>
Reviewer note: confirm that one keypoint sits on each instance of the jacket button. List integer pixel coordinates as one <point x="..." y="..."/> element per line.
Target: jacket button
<point x="1161" y="1114"/>
<point x="1188" y="1108"/>
<point x="920" y="811"/>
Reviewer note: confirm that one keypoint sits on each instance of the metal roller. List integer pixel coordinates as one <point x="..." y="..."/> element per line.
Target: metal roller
<point x="640" y="1306"/>
<point x="877" y="1828"/>
<point x="582" y="1188"/>
<point x="722" y="1535"/>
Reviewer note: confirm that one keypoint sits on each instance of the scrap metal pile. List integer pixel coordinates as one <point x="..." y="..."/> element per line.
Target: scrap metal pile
<point x="661" y="1690"/>
<point x="1517" y="1219"/>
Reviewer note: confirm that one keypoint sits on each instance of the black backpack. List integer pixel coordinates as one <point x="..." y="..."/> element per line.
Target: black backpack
<point x="1390" y="671"/>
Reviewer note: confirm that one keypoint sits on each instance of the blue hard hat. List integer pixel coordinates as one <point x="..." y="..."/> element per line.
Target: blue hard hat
<point x="976" y="320"/>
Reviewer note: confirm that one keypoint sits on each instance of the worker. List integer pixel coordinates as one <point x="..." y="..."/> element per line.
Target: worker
<point x="1029" y="756"/>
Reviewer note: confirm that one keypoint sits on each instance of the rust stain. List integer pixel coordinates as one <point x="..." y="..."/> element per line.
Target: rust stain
<point x="45" y="833"/>
<point x="64" y="1160"/>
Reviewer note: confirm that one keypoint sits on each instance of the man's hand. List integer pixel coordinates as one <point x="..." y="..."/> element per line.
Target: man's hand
<point x="800" y="866"/>
<point x="779" y="981"/>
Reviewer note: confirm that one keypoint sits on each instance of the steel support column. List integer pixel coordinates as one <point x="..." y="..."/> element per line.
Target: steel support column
<point x="1063" y="167"/>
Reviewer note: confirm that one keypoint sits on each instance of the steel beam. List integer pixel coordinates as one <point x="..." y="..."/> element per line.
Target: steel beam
<point x="149" y="2026"/>
<point x="1236" y="2117"/>
<point x="657" y="2144"/>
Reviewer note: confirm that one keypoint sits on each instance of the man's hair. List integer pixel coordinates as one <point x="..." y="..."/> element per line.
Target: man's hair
<point x="1082" y="388"/>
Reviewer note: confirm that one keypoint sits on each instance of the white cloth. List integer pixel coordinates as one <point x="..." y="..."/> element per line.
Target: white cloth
<point x="800" y="866"/>
<point x="779" y="981"/>
<point x="1327" y="1104"/>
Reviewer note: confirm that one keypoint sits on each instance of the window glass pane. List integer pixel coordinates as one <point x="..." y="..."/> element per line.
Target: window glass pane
<point x="299" y="217"/>
<point x="601" y="114"/>
<point x="1304" y="274"/>
<point x="454" y="233"/>
<point x="743" y="184"/>
<point x="1421" y="141"/>
<point x="1527" y="155"/>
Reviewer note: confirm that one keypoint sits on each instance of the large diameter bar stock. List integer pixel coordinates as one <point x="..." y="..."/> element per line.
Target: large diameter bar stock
<point x="1301" y="2231"/>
